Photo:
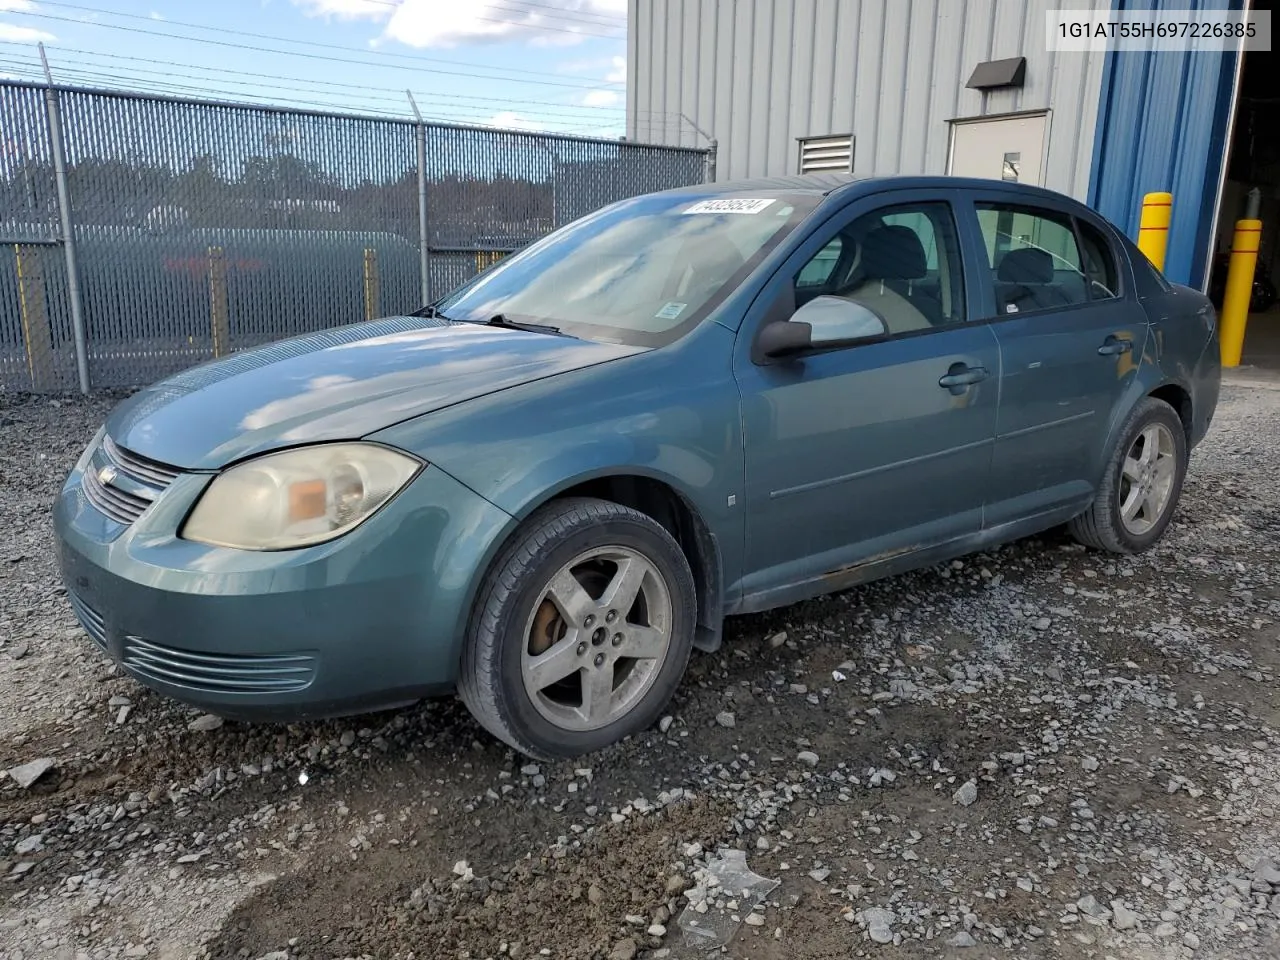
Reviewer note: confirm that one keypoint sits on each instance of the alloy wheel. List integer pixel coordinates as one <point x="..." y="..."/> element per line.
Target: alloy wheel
<point x="597" y="638"/>
<point x="1147" y="478"/>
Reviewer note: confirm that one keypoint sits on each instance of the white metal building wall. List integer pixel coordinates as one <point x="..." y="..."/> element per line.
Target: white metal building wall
<point x="758" y="74"/>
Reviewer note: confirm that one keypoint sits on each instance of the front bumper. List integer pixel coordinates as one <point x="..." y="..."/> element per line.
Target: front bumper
<point x="371" y="620"/>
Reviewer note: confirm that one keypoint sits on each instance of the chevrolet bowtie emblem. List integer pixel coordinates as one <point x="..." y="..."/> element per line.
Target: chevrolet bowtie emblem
<point x="107" y="475"/>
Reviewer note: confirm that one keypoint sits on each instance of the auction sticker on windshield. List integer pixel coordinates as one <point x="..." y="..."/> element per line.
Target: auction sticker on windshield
<point x="729" y="205"/>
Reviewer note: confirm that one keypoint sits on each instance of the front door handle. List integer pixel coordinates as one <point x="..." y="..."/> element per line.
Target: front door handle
<point x="1114" y="345"/>
<point x="962" y="375"/>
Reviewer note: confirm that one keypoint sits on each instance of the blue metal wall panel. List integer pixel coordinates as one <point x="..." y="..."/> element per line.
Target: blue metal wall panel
<point x="1162" y="125"/>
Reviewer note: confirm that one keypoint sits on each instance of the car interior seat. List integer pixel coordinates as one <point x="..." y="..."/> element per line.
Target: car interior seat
<point x="892" y="260"/>
<point x="1025" y="280"/>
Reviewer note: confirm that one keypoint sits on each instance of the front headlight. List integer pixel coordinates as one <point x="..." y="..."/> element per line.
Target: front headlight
<point x="299" y="497"/>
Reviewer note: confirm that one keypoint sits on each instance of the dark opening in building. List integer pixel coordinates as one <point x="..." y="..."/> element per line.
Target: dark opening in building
<point x="1253" y="167"/>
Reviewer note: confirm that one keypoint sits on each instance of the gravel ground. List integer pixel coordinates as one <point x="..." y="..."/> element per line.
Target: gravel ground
<point x="1034" y="752"/>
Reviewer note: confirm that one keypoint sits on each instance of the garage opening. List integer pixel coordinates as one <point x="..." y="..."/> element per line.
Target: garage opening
<point x="1253" y="183"/>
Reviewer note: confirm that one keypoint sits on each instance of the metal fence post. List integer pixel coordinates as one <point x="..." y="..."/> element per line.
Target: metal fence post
<point x="711" y="161"/>
<point x="34" y="313"/>
<point x="219" y="304"/>
<point x="424" y="254"/>
<point x="372" y="288"/>
<point x="53" y="109"/>
<point x="1253" y="204"/>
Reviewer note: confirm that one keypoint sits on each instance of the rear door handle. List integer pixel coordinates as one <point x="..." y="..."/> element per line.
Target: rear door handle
<point x="1115" y="345"/>
<point x="962" y="375"/>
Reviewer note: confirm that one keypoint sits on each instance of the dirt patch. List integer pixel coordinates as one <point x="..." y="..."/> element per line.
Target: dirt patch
<point x="571" y="898"/>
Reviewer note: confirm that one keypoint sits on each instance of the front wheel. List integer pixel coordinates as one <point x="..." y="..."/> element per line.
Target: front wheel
<point x="581" y="630"/>
<point x="1141" y="484"/>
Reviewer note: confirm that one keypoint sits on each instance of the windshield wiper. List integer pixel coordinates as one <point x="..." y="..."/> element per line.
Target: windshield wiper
<point x="501" y="320"/>
<point x="430" y="312"/>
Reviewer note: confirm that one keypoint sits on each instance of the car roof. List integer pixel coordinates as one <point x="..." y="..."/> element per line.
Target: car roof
<point x="818" y="183"/>
<point x="847" y="185"/>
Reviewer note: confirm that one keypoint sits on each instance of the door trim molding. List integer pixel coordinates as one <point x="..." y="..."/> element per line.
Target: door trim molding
<point x="1047" y="425"/>
<point x="870" y="471"/>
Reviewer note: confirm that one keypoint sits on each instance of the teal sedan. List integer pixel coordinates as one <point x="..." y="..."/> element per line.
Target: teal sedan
<point x="546" y="489"/>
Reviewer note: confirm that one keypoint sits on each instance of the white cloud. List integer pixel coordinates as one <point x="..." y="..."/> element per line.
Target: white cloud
<point x="617" y="71"/>
<point x="156" y="16"/>
<point x="451" y="23"/>
<point x="16" y="6"/>
<point x="11" y="33"/>
<point x="602" y="98"/>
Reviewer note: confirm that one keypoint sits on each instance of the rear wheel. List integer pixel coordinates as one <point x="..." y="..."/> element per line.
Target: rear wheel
<point x="581" y="631"/>
<point x="1141" y="484"/>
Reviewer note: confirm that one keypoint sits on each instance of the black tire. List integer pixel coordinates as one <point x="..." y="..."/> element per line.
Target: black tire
<point x="491" y="682"/>
<point x="1101" y="526"/>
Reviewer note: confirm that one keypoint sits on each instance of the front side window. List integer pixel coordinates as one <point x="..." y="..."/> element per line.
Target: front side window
<point x="641" y="272"/>
<point x="902" y="263"/>
<point x="818" y="270"/>
<point x="1034" y="260"/>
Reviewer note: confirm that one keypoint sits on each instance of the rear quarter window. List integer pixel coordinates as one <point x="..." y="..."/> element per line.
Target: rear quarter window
<point x="1148" y="281"/>
<point x="1099" y="262"/>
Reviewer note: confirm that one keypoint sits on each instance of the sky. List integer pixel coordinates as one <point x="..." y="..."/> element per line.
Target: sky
<point x="520" y="64"/>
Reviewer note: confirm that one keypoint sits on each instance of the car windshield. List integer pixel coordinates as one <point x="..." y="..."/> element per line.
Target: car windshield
<point x="641" y="272"/>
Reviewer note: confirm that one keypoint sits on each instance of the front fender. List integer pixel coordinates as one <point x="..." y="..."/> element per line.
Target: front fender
<point x="669" y="415"/>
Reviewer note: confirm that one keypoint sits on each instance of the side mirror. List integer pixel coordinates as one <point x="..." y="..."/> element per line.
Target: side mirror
<point x="783" y="338"/>
<point x="835" y="321"/>
<point x="822" y="322"/>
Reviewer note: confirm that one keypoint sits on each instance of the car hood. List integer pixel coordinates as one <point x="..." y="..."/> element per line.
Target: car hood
<point x="337" y="385"/>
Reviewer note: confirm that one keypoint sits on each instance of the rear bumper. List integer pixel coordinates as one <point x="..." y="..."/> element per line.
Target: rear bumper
<point x="370" y="620"/>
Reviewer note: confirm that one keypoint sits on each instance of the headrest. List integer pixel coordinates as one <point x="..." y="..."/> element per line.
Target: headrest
<point x="893" y="253"/>
<point x="1026" y="265"/>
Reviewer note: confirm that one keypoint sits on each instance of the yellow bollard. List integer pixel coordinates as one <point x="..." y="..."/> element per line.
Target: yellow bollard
<point x="1235" y="305"/>
<point x="1153" y="231"/>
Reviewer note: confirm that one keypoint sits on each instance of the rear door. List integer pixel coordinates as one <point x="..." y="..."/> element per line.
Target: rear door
<point x="1071" y="335"/>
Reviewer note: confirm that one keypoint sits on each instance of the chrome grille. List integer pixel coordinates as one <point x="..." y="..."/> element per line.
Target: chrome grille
<point x="120" y="506"/>
<point x="140" y="468"/>
<point x="90" y="619"/>
<point x="125" y="506"/>
<point x="218" y="672"/>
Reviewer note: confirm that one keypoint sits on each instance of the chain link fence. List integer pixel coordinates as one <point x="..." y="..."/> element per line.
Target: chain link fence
<point x="203" y="228"/>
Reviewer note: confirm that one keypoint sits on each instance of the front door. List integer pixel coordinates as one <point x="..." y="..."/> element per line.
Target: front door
<point x="1071" y="337"/>
<point x="883" y="447"/>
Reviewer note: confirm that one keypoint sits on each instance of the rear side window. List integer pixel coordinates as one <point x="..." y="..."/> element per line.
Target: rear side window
<point x="1099" y="262"/>
<point x="1034" y="260"/>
